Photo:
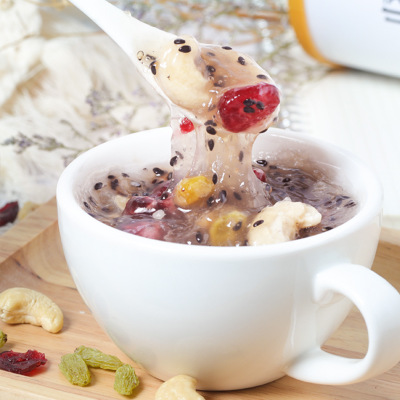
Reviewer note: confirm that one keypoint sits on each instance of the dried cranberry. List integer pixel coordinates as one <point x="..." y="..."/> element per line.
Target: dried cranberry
<point x="143" y="227"/>
<point x="186" y="125"/>
<point x="160" y="189"/>
<point x="9" y="213"/>
<point x="140" y="205"/>
<point x="21" y="363"/>
<point x="243" y="107"/>
<point x="260" y="174"/>
<point x="164" y="199"/>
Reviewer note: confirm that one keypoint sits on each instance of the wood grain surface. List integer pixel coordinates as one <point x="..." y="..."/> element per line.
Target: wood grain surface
<point x="31" y="256"/>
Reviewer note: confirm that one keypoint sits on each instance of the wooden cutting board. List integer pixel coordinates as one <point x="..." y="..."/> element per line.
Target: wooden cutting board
<point x="31" y="256"/>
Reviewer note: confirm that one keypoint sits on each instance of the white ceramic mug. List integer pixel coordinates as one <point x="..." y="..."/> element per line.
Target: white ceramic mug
<point x="233" y="317"/>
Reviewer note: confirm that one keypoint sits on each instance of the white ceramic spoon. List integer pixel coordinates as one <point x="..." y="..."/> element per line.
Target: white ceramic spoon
<point x="132" y="35"/>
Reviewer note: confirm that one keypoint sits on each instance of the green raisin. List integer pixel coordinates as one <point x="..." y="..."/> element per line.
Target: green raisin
<point x="97" y="359"/>
<point x="125" y="380"/>
<point x="75" y="369"/>
<point x="3" y="338"/>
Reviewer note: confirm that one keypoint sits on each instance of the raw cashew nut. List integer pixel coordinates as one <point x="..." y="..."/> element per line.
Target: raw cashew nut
<point x="282" y="222"/>
<point x="180" y="387"/>
<point x="27" y="306"/>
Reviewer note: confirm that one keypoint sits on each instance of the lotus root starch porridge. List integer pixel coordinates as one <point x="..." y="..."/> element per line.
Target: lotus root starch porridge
<point x="213" y="192"/>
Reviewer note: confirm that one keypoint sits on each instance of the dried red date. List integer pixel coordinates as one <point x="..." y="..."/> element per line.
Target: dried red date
<point x="9" y="213"/>
<point x="21" y="363"/>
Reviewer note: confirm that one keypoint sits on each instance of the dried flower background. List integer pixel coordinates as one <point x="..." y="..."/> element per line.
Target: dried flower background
<point x="66" y="87"/>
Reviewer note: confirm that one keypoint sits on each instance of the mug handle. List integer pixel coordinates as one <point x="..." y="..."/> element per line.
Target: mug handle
<point x="379" y="304"/>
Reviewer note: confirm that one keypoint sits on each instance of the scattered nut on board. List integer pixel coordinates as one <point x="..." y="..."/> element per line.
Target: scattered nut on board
<point x="178" y="388"/>
<point x="26" y="306"/>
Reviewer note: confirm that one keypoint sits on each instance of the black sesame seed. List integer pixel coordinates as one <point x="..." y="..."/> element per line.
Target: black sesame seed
<point x="179" y="154"/>
<point x="260" y="105"/>
<point x="261" y="76"/>
<point x="92" y="201"/>
<point x="286" y="180"/>
<point x="125" y="175"/>
<point x="173" y="161"/>
<point x="210" y="122"/>
<point x="210" y="201"/>
<point x="263" y="163"/>
<point x="237" y="196"/>
<point x="249" y="102"/>
<point x="241" y="61"/>
<point x="257" y="223"/>
<point x="211" y="144"/>
<point x="215" y="178"/>
<point x="222" y="196"/>
<point x="249" y="110"/>
<point x="219" y="83"/>
<point x="350" y="204"/>
<point x="110" y="176"/>
<point x="105" y="209"/>
<point x="211" y="54"/>
<point x="179" y="41"/>
<point x="241" y="155"/>
<point x="158" y="171"/>
<point x="237" y="226"/>
<point x="86" y="205"/>
<point x="169" y="176"/>
<point x="114" y="184"/>
<point x="211" y="130"/>
<point x="154" y="182"/>
<point x="164" y="196"/>
<point x="199" y="237"/>
<point x="327" y="228"/>
<point x="185" y="49"/>
<point x="153" y="68"/>
<point x="210" y="69"/>
<point x="98" y="185"/>
<point x="227" y="48"/>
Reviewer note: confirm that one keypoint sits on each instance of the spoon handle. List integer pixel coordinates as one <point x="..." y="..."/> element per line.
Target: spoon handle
<point x="132" y="35"/>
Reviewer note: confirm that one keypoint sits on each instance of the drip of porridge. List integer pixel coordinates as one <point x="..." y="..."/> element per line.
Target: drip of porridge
<point x="213" y="192"/>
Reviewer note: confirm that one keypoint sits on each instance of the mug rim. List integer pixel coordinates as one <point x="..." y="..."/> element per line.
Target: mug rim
<point x="66" y="202"/>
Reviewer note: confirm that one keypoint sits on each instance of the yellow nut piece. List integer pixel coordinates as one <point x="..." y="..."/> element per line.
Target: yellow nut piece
<point x="180" y="387"/>
<point x="26" y="306"/>
<point x="227" y="229"/>
<point x="190" y="191"/>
